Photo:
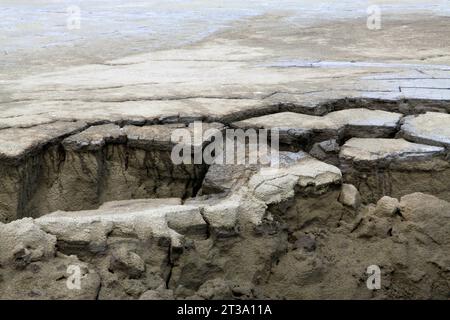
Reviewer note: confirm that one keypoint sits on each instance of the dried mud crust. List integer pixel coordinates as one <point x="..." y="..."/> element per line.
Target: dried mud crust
<point x="299" y="231"/>
<point x="364" y="117"/>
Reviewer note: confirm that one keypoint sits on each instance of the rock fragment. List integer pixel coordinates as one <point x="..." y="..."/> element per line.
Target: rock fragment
<point x="22" y="242"/>
<point x="274" y="185"/>
<point x="350" y="196"/>
<point x="430" y="128"/>
<point x="387" y="207"/>
<point x="327" y="151"/>
<point x="128" y="262"/>
<point x="367" y="149"/>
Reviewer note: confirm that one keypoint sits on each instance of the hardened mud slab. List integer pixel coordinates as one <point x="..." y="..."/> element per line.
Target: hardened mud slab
<point x="395" y="167"/>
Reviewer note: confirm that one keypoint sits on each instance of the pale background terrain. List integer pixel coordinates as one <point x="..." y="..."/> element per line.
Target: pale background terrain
<point x="34" y="35"/>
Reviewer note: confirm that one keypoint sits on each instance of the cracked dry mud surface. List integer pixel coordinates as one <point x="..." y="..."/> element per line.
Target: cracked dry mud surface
<point x="86" y="177"/>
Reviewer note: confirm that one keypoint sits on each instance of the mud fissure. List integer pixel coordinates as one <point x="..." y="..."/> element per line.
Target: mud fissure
<point x="60" y="179"/>
<point x="53" y="176"/>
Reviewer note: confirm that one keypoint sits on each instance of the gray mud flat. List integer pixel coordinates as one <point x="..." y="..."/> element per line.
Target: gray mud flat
<point x="87" y="180"/>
